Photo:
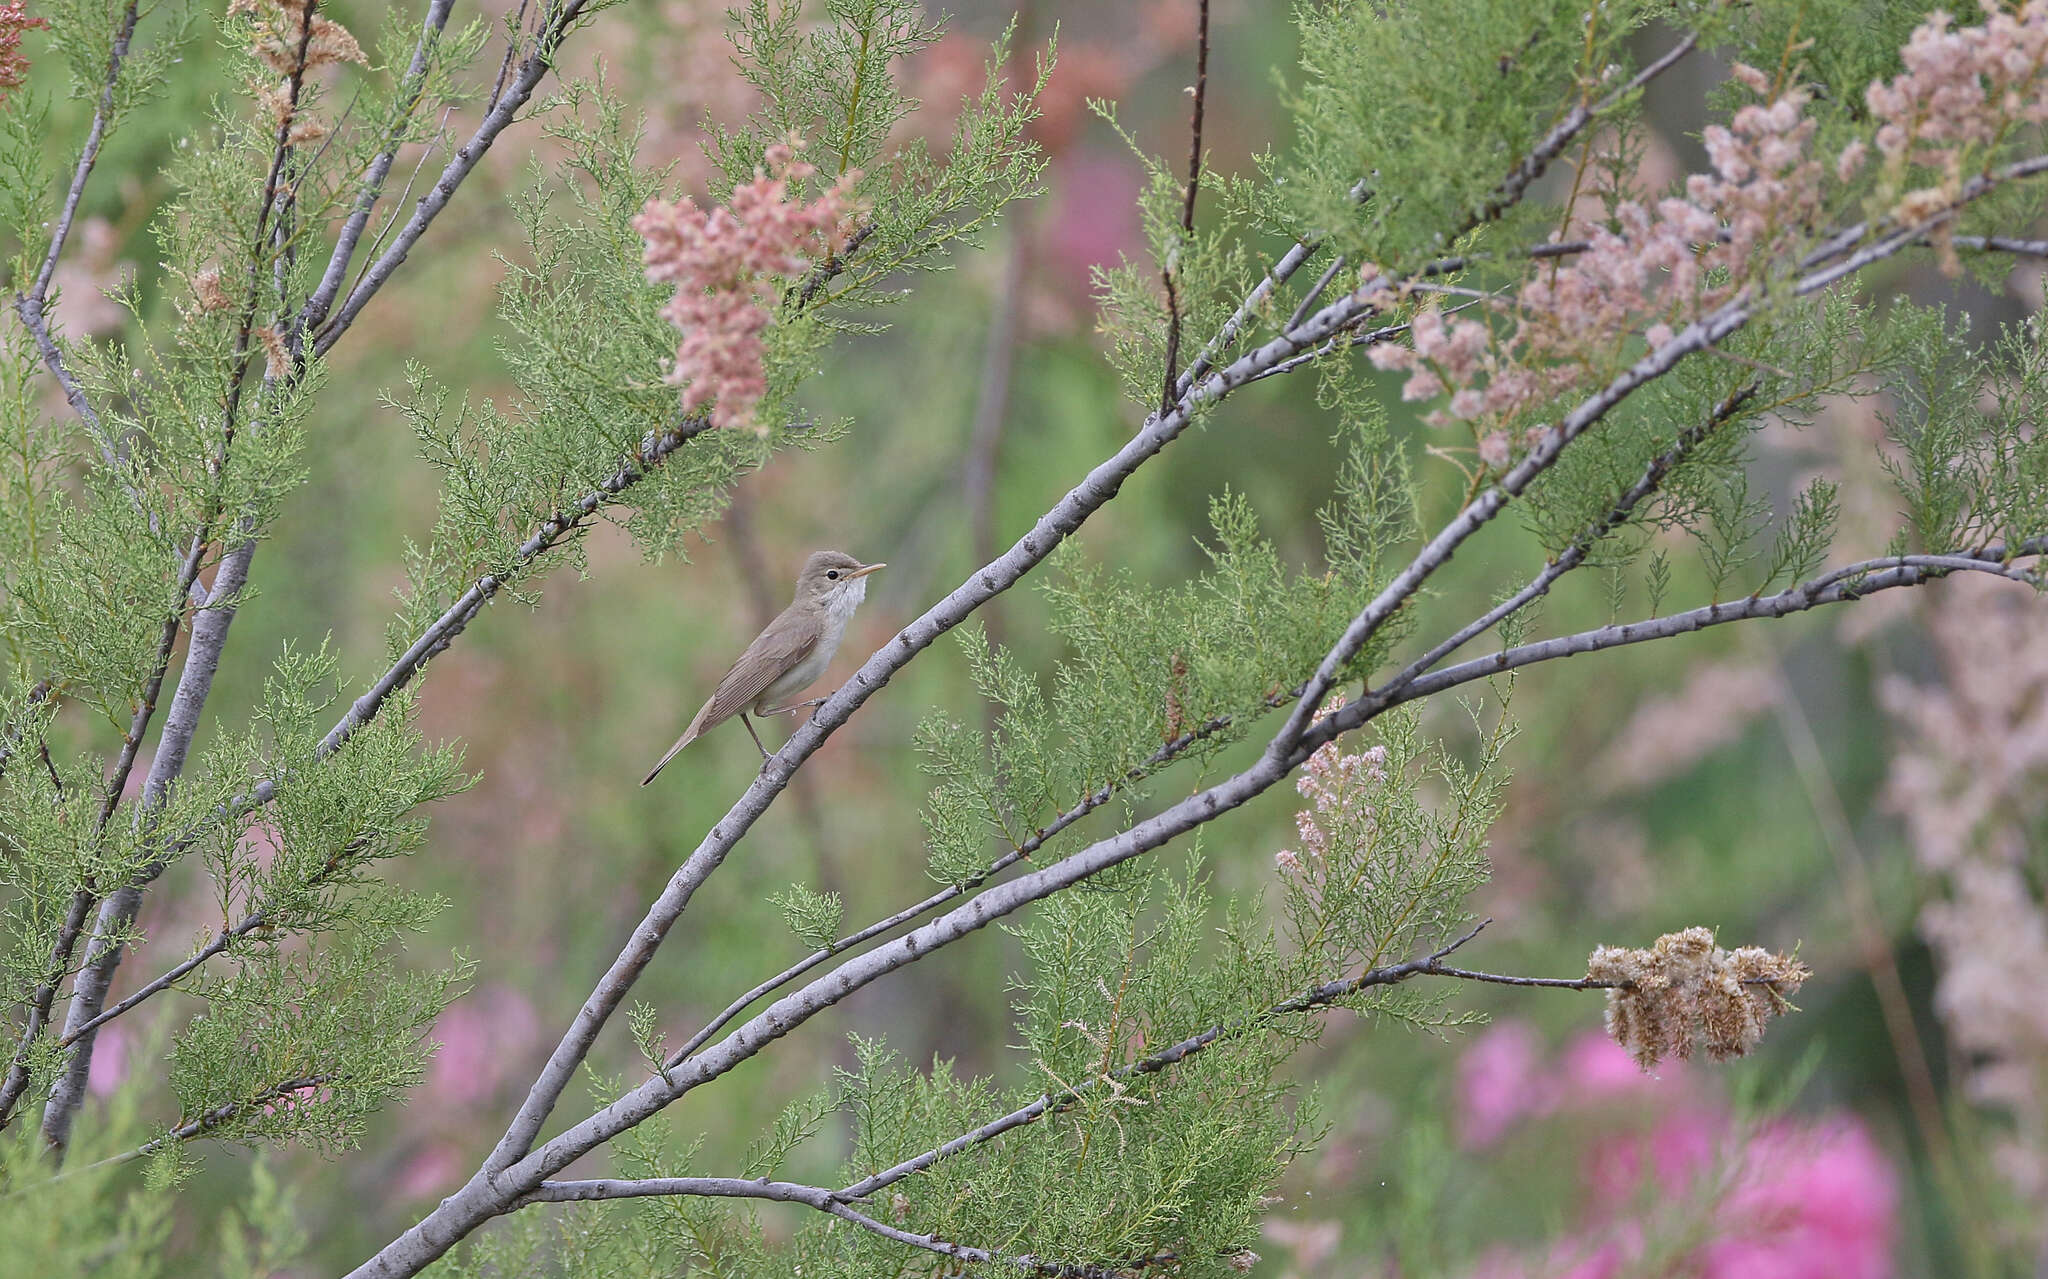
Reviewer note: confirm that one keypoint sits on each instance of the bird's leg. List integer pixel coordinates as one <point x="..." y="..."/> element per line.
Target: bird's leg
<point x="751" y="733"/>
<point x="795" y="706"/>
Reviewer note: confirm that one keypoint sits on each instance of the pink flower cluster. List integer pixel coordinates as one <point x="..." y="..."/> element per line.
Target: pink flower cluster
<point x="728" y="264"/>
<point x="1649" y="266"/>
<point x="1796" y="1199"/>
<point x="1335" y="784"/>
<point x="1962" y="87"/>
<point x="14" y="20"/>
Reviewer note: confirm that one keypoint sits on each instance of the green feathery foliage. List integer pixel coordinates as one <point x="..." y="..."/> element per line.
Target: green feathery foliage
<point x="1153" y="1012"/>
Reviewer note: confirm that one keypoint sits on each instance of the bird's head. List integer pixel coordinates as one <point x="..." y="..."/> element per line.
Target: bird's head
<point x="834" y="575"/>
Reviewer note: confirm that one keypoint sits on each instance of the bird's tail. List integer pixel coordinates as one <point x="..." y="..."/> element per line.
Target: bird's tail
<point x="690" y="734"/>
<point x="681" y="742"/>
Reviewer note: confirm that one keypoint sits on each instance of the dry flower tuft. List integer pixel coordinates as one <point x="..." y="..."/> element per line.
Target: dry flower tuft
<point x="207" y="288"/>
<point x="280" y="31"/>
<point x="289" y="38"/>
<point x="1685" y="994"/>
<point x="276" y="361"/>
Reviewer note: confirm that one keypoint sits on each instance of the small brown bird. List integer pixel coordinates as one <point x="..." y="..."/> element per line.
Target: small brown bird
<point x="794" y="651"/>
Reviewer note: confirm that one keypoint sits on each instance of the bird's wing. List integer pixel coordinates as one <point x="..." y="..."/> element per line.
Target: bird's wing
<point x="774" y="653"/>
<point x="778" y="650"/>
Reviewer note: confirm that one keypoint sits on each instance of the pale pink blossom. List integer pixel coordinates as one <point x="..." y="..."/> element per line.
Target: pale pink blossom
<point x="1962" y="86"/>
<point x="1494" y="449"/>
<point x="1312" y="1242"/>
<point x="1850" y="161"/>
<point x="1649" y="270"/>
<point x="1970" y="782"/>
<point x="1750" y="78"/>
<point x="483" y="1036"/>
<point x="109" y="1067"/>
<point x="1667" y="735"/>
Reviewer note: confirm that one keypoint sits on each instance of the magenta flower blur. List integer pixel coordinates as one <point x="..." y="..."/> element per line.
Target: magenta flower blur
<point x="1811" y="1201"/>
<point x="481" y="1037"/>
<point x="1501" y="1080"/>
<point x="728" y="265"/>
<point x="1795" y="1199"/>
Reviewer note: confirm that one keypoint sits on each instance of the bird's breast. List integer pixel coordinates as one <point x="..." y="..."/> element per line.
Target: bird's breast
<point x="838" y="611"/>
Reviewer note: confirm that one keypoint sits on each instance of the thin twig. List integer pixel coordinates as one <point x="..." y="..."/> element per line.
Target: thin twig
<point x="219" y="942"/>
<point x="1581" y="546"/>
<point x="372" y="186"/>
<point x="1504" y="197"/>
<point x="202" y="659"/>
<point x="1169" y="387"/>
<point x="32" y="305"/>
<point x="1310" y="299"/>
<point x="997" y="576"/>
<point x="88" y="156"/>
<point x="1532" y="167"/>
<point x="823" y="273"/>
<point x="817" y="1197"/>
<point x="532" y="69"/>
<point x="1852" y="866"/>
<point x="1280" y="759"/>
<point x="1697" y="336"/>
<point x="440" y="633"/>
<point x="1047" y="1104"/>
<point x="991" y="403"/>
<point x="45" y="996"/>
<point x="10" y="739"/>
<point x="188" y="1131"/>
<point x="84" y="897"/>
<point x="517" y="26"/>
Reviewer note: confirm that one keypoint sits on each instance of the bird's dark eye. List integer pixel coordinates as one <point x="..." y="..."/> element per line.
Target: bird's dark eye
<point x="833" y="575"/>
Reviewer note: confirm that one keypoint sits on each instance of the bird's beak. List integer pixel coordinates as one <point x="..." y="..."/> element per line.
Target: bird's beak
<point x="864" y="570"/>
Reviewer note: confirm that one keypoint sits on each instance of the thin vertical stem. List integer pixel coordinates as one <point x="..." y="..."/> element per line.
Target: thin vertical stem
<point x="1169" y="383"/>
